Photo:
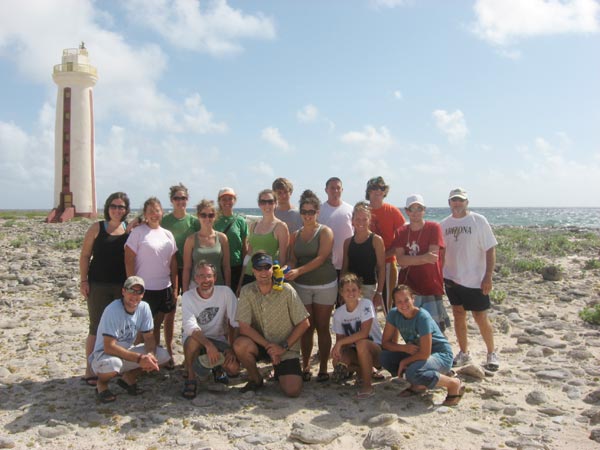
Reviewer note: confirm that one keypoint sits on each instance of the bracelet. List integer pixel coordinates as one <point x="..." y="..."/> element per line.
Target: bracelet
<point x="139" y="359"/>
<point x="378" y="293"/>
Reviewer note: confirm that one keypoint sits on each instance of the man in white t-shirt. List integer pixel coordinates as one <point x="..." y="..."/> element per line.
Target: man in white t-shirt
<point x="468" y="266"/>
<point x="337" y="215"/>
<point x="209" y="328"/>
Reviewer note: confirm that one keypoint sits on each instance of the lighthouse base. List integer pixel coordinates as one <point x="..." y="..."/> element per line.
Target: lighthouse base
<point x="58" y="215"/>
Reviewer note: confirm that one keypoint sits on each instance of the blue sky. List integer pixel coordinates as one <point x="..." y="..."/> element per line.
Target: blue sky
<point x="498" y="96"/>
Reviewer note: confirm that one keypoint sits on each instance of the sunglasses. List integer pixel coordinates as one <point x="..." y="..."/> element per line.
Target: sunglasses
<point x="415" y="209"/>
<point x="134" y="291"/>
<point x="378" y="188"/>
<point x="119" y="207"/>
<point x="206" y="215"/>
<point x="269" y="201"/>
<point x="177" y="198"/>
<point x="308" y="212"/>
<point x="457" y="199"/>
<point x="263" y="267"/>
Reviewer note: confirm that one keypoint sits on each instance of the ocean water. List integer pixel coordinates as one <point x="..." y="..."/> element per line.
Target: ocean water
<point x="523" y="217"/>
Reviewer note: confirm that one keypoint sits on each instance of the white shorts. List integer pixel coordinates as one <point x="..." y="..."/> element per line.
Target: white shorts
<point x="104" y="363"/>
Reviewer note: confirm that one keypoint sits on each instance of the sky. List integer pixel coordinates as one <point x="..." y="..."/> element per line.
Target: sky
<point x="500" y="97"/>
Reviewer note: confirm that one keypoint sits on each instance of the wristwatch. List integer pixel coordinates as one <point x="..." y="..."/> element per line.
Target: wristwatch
<point x="285" y="345"/>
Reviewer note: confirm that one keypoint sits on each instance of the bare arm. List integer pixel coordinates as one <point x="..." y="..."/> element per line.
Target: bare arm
<point x="389" y="341"/>
<point x="275" y="350"/>
<point x="325" y="247"/>
<point x="423" y="352"/>
<point x="86" y="256"/>
<point x="146" y="361"/>
<point x="283" y="238"/>
<point x="380" y="254"/>
<point x="186" y="272"/>
<point x="431" y="257"/>
<point x="490" y="263"/>
<point x="247" y="330"/>
<point x="226" y="258"/>
<point x="174" y="280"/>
<point x="345" y="261"/>
<point x="129" y="261"/>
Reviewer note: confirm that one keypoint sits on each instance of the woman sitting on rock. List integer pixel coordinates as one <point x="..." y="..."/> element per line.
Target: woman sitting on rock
<point x="426" y="354"/>
<point x="357" y="336"/>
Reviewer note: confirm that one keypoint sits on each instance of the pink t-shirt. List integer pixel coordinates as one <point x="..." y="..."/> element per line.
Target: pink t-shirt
<point x="154" y="248"/>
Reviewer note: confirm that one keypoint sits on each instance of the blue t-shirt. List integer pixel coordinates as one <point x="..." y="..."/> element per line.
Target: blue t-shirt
<point x="422" y="324"/>
<point x="119" y="324"/>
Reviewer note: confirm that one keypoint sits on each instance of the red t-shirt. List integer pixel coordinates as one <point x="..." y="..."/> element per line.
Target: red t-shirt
<point x="425" y="279"/>
<point x="385" y="222"/>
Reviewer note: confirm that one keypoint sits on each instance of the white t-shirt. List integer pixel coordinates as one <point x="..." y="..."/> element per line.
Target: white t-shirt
<point x="348" y="323"/>
<point x="116" y="322"/>
<point x="153" y="248"/>
<point x="210" y="315"/>
<point x="467" y="240"/>
<point x="339" y="219"/>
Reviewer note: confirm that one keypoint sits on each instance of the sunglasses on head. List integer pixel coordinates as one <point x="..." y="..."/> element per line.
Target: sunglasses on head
<point x="269" y="201"/>
<point x="308" y="212"/>
<point x="177" y="198"/>
<point x="207" y="215"/>
<point x="119" y="207"/>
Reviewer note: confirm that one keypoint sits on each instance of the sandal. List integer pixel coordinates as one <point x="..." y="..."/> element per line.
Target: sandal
<point x="190" y="388"/>
<point x="105" y="396"/>
<point x="322" y="377"/>
<point x="170" y="365"/>
<point x="453" y="400"/>
<point x="410" y="392"/>
<point x="364" y="395"/>
<point x="132" y="389"/>
<point x="90" y="381"/>
<point x="252" y="386"/>
<point x="306" y="375"/>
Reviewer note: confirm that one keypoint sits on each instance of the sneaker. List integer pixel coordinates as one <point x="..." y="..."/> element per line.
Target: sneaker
<point x="461" y="359"/>
<point x="492" y="363"/>
<point x="220" y="376"/>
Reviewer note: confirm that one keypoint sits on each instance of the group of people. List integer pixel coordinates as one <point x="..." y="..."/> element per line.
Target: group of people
<point x="237" y="312"/>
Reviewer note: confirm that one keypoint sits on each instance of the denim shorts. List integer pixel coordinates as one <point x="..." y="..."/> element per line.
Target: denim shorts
<point x="421" y="373"/>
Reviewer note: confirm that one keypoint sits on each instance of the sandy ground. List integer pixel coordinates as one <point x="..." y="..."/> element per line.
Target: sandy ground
<point x="545" y="395"/>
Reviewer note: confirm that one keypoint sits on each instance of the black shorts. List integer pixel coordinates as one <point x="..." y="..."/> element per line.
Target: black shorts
<point x="471" y="299"/>
<point x="285" y="367"/>
<point x="236" y="274"/>
<point x="161" y="301"/>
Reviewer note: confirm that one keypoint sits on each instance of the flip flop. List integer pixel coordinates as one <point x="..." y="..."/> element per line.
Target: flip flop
<point x="377" y="375"/>
<point x="453" y="400"/>
<point x="364" y="395"/>
<point x="170" y="365"/>
<point x="90" y="381"/>
<point x="306" y="375"/>
<point x="131" y="389"/>
<point x="105" y="396"/>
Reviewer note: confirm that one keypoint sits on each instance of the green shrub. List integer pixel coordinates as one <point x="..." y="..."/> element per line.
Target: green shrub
<point x="18" y="243"/>
<point x="69" y="244"/>
<point x="591" y="264"/>
<point x="529" y="265"/>
<point x="498" y="296"/>
<point x="591" y="314"/>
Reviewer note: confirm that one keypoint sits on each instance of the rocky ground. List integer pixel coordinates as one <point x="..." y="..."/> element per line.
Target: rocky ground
<point x="545" y="395"/>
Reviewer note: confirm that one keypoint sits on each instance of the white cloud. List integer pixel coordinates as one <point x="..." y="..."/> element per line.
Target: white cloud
<point x="504" y="22"/>
<point x="453" y="124"/>
<point x="370" y="138"/>
<point x="398" y="95"/>
<point x="216" y="29"/>
<point x="262" y="169"/>
<point x="198" y="119"/>
<point x="309" y="113"/>
<point x="274" y="137"/>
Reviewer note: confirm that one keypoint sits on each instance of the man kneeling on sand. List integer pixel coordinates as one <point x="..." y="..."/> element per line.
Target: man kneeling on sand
<point x="271" y="325"/>
<point x="208" y="324"/>
<point x="115" y="352"/>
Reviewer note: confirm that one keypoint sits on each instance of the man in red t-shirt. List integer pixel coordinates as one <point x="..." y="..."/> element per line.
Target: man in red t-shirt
<point x="385" y="221"/>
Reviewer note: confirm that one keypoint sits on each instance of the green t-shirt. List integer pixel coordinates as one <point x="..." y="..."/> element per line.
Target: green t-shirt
<point x="236" y="233"/>
<point x="181" y="229"/>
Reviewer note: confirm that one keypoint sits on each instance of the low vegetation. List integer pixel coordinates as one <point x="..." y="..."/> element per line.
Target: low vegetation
<point x="591" y="314"/>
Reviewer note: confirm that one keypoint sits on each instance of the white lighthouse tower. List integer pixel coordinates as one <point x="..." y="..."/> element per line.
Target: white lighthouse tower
<point x="74" y="181"/>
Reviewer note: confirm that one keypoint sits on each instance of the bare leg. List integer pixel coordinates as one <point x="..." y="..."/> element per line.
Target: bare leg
<point x="169" y="327"/>
<point x="460" y="326"/>
<point x="291" y="385"/>
<point x="306" y="343"/>
<point x="247" y="353"/>
<point x="322" y="317"/>
<point x="367" y="353"/>
<point x="485" y="328"/>
<point x="191" y="350"/>
<point x="158" y="320"/>
<point x="89" y="348"/>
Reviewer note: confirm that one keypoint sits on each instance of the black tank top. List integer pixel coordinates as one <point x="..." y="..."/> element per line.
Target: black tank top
<point x="108" y="257"/>
<point x="362" y="260"/>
